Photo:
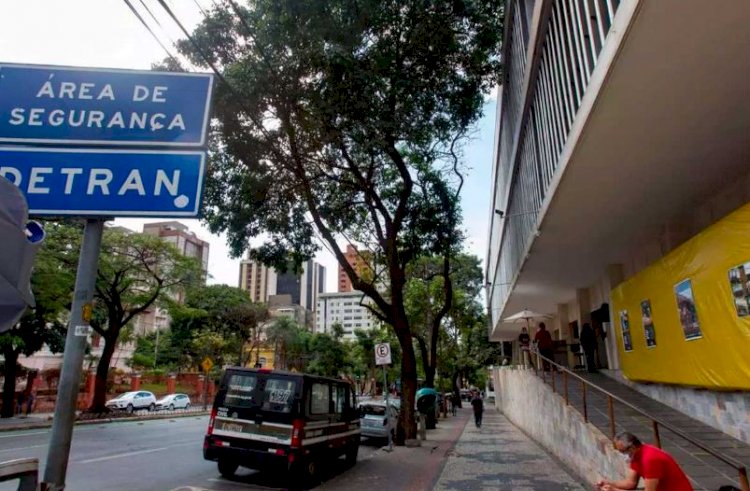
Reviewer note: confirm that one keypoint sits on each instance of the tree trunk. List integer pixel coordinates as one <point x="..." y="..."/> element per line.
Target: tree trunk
<point x="102" y="370"/>
<point x="429" y="377"/>
<point x="407" y="424"/>
<point x="9" y="386"/>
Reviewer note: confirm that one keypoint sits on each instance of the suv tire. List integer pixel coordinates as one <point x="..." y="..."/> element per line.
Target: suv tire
<point x="227" y="468"/>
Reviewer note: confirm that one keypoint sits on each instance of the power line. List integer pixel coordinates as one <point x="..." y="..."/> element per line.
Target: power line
<point x="153" y="34"/>
<point x="200" y="8"/>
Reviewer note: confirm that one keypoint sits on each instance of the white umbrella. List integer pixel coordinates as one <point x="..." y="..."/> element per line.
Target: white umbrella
<point x="525" y="315"/>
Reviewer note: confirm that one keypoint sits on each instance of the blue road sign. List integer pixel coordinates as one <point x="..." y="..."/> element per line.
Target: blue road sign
<point x="64" y="105"/>
<point x="106" y="183"/>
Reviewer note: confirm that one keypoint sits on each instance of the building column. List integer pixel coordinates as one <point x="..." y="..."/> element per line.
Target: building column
<point x="615" y="276"/>
<point x="135" y="381"/>
<point x="565" y="333"/>
<point x="171" y="382"/>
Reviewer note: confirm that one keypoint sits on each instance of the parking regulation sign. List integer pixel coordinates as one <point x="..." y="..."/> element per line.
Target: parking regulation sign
<point x="383" y="354"/>
<point x="106" y="183"/>
<point x="91" y="106"/>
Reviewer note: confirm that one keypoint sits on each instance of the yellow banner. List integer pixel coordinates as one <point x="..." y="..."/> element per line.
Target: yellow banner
<point x="685" y="319"/>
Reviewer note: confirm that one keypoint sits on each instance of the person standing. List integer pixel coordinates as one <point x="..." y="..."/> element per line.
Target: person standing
<point x="478" y="405"/>
<point x="544" y="344"/>
<point x="658" y="469"/>
<point x="524" y="340"/>
<point x="588" y="343"/>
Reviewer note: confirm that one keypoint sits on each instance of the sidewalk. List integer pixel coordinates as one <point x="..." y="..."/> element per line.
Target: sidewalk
<point x="457" y="456"/>
<point x="499" y="456"/>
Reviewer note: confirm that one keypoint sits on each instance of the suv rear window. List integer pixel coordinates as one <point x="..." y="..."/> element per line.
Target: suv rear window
<point x="278" y="395"/>
<point x="371" y="410"/>
<point x="241" y="390"/>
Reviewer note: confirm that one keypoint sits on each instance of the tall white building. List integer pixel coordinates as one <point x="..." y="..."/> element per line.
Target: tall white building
<point x="346" y="309"/>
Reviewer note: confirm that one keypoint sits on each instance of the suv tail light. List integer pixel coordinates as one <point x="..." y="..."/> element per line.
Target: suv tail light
<point x="210" y="430"/>
<point x="298" y="433"/>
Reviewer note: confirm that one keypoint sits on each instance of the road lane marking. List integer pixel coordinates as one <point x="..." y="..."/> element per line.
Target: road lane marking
<point x="130" y="454"/>
<point x="22" y="448"/>
<point x="16" y="435"/>
<point x="120" y="455"/>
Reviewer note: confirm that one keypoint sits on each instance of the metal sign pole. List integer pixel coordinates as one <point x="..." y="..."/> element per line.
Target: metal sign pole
<point x="75" y="346"/>
<point x="387" y="407"/>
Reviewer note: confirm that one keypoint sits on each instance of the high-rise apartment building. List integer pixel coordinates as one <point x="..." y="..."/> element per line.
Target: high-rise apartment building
<point x="358" y="260"/>
<point x="261" y="282"/>
<point x="345" y="309"/>
<point x="188" y="244"/>
<point x="186" y="241"/>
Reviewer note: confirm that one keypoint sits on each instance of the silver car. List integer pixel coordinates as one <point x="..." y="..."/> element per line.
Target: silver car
<point x="376" y="421"/>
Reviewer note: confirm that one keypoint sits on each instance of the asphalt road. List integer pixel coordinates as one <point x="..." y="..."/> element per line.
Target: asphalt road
<point x="161" y="455"/>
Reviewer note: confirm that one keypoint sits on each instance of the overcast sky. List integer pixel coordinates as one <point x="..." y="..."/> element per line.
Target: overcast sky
<point x="105" y="33"/>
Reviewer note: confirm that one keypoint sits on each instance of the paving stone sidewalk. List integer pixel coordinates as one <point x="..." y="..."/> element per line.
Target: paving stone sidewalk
<point x="498" y="456"/>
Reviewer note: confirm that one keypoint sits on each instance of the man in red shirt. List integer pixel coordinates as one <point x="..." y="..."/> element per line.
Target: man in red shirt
<point x="658" y="469"/>
<point x="544" y="344"/>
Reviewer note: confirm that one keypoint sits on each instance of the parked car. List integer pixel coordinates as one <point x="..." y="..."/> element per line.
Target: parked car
<point x="376" y="421"/>
<point x="173" y="401"/>
<point x="293" y="422"/>
<point x="130" y="401"/>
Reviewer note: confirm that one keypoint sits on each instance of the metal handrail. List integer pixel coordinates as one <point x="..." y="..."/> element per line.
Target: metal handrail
<point x="25" y="470"/>
<point x="656" y="422"/>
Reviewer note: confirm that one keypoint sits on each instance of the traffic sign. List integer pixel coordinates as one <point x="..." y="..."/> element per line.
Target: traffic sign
<point x="206" y="364"/>
<point x="53" y="104"/>
<point x="383" y="354"/>
<point x="106" y="183"/>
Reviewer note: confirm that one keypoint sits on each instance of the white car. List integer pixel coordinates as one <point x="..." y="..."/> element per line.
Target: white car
<point x="131" y="401"/>
<point x="173" y="401"/>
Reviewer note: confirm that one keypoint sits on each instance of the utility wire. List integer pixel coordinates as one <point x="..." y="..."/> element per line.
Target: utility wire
<point x="153" y="34"/>
<point x="200" y="8"/>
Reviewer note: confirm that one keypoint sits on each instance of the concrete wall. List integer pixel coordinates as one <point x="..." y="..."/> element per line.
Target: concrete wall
<point x="728" y="412"/>
<point x="532" y="407"/>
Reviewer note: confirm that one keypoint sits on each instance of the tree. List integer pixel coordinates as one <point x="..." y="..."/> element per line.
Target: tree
<point x="225" y="310"/>
<point x="135" y="271"/>
<point x="290" y="342"/>
<point x="343" y="120"/>
<point x="52" y="284"/>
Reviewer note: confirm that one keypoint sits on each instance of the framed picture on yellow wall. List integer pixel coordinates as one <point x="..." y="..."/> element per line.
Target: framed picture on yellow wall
<point x="648" y="324"/>
<point x="687" y="311"/>
<point x="627" y="341"/>
<point x="740" y="285"/>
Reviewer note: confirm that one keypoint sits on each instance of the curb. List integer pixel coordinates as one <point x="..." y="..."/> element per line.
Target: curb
<point x="83" y="422"/>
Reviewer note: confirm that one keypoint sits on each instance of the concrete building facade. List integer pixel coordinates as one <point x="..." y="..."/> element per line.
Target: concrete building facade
<point x="346" y="309"/>
<point x="621" y="191"/>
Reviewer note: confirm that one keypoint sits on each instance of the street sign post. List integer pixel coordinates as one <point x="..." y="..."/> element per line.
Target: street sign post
<point x="383" y="354"/>
<point x="75" y="107"/>
<point x="90" y="106"/>
<point x="108" y="183"/>
<point x="383" y="357"/>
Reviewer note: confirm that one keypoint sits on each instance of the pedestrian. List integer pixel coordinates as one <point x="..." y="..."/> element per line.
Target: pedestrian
<point x="524" y="340"/>
<point x="588" y="343"/>
<point x="544" y="344"/>
<point x="30" y="399"/>
<point x="20" y="402"/>
<point x="658" y="469"/>
<point x="478" y="406"/>
<point x="454" y="404"/>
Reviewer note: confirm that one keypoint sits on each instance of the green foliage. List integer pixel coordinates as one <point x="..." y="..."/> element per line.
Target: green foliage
<point x="220" y="309"/>
<point x="344" y="119"/>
